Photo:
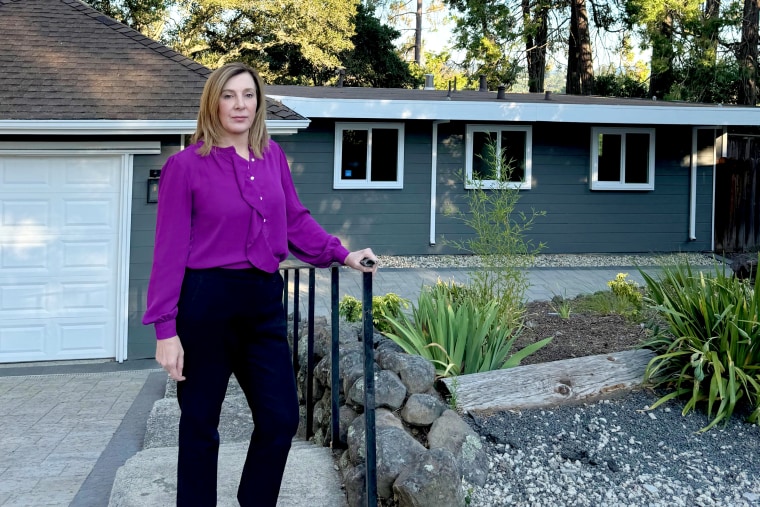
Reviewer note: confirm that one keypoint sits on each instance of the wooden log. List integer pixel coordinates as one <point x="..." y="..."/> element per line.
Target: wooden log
<point x="549" y="384"/>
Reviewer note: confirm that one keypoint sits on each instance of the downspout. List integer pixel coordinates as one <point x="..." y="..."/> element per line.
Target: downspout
<point x="434" y="178"/>
<point x="693" y="186"/>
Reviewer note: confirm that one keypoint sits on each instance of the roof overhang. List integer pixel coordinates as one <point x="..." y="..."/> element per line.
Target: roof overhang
<point x="386" y="109"/>
<point x="126" y="127"/>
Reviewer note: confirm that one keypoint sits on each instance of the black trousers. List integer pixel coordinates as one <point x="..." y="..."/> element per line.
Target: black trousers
<point x="232" y="321"/>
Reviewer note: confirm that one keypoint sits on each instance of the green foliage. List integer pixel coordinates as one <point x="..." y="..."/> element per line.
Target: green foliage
<point x="499" y="238"/>
<point x="389" y="305"/>
<point x="606" y="303"/>
<point x="145" y="16"/>
<point x="454" y="394"/>
<point x="288" y="41"/>
<point x="619" y="85"/>
<point x="711" y="350"/>
<point x="374" y="61"/>
<point x="707" y="82"/>
<point x="562" y="306"/>
<point x="627" y="289"/>
<point x="457" y="334"/>
<point x="486" y="31"/>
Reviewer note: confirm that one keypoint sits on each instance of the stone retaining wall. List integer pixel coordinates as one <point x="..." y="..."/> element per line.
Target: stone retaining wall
<point x="426" y="453"/>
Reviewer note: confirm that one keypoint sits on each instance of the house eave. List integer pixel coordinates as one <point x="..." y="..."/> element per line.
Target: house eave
<point x="126" y="127"/>
<point x="552" y="111"/>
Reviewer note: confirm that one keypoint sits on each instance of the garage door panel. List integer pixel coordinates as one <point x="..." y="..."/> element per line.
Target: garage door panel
<point x="27" y="174"/>
<point x="21" y="214"/>
<point x="27" y="256"/>
<point x="89" y="174"/>
<point x="23" y="341"/>
<point x="83" y="339"/>
<point x="87" y="212"/>
<point x="23" y="299"/>
<point x="86" y="298"/>
<point x="85" y="256"/>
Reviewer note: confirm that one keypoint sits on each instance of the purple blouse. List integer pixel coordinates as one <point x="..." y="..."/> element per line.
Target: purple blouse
<point x="222" y="210"/>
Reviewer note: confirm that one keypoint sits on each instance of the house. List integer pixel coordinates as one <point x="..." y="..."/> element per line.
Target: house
<point x="89" y="111"/>
<point x="382" y="167"/>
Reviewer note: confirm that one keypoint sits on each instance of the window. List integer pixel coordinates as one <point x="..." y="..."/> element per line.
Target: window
<point x="369" y="155"/>
<point x="484" y="142"/>
<point x="622" y="159"/>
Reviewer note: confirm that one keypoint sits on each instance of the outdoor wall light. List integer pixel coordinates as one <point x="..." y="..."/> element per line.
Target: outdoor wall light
<point x="155" y="174"/>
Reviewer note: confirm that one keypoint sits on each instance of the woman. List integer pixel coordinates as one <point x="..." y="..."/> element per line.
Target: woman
<point x="228" y="214"/>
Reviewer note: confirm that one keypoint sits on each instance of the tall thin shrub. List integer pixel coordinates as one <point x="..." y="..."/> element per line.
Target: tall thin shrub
<point x="499" y="237"/>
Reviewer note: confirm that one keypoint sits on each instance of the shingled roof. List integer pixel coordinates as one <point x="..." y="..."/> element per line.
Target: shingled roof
<point x="64" y="60"/>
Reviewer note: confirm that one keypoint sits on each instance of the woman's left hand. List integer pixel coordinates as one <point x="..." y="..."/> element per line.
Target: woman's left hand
<point x="353" y="260"/>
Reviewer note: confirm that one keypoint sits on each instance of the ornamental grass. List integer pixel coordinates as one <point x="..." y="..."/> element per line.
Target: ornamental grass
<point x="710" y="349"/>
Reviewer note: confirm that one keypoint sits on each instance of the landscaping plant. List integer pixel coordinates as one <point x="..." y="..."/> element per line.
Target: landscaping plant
<point x="389" y="305"/>
<point x="711" y="350"/>
<point x="458" y="334"/>
<point x="499" y="238"/>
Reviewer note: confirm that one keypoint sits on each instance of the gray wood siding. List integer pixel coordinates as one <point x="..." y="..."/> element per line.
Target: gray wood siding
<point x="389" y="221"/>
<point x="579" y="220"/>
<point x="142" y="339"/>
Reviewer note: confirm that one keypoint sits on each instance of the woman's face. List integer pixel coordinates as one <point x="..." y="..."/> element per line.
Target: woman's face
<point x="237" y="105"/>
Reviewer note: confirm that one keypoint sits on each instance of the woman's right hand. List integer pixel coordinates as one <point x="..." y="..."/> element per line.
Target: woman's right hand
<point x="171" y="356"/>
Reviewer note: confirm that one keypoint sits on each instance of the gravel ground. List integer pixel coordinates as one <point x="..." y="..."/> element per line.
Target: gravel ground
<point x="612" y="453"/>
<point x="548" y="260"/>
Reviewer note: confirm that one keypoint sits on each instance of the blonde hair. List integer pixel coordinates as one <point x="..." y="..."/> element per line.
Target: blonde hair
<point x="209" y="128"/>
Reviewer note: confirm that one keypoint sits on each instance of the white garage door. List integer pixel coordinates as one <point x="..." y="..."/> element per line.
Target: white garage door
<point x="59" y="237"/>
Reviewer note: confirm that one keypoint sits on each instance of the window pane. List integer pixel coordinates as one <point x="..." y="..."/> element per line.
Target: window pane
<point x="513" y="150"/>
<point x="354" y="163"/>
<point x="483" y="166"/>
<point x="609" y="157"/>
<point x="637" y="158"/>
<point x="384" y="154"/>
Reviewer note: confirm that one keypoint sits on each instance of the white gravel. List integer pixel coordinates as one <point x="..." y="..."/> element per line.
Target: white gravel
<point x="613" y="453"/>
<point x="549" y="260"/>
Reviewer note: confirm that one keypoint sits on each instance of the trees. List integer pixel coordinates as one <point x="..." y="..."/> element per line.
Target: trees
<point x="485" y="31"/>
<point x="404" y="13"/>
<point x="580" y="65"/>
<point x="701" y="50"/>
<point x="289" y="41"/>
<point x="373" y="61"/>
<point x="145" y="16"/>
<point x="536" y="35"/>
<point x="747" y="53"/>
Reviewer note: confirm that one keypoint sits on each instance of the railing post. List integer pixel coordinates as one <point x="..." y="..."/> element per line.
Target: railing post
<point x="369" y="393"/>
<point x="296" y="318"/>
<point x="310" y="358"/>
<point x="335" y="442"/>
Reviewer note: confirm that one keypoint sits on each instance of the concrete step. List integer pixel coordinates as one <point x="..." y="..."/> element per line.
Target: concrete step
<point x="235" y="425"/>
<point x="311" y="479"/>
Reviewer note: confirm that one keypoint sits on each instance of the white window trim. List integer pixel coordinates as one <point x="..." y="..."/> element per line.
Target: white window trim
<point x="339" y="183"/>
<point x="471" y="129"/>
<point x="620" y="185"/>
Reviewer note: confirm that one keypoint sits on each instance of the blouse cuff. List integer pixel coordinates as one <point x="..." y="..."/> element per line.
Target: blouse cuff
<point x="166" y="329"/>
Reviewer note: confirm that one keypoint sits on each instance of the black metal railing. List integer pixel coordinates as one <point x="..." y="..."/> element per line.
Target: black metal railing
<point x="369" y="359"/>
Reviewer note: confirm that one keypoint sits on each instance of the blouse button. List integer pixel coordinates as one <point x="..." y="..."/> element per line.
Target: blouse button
<point x="261" y="198"/>
<point x="265" y="220"/>
<point x="251" y="178"/>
